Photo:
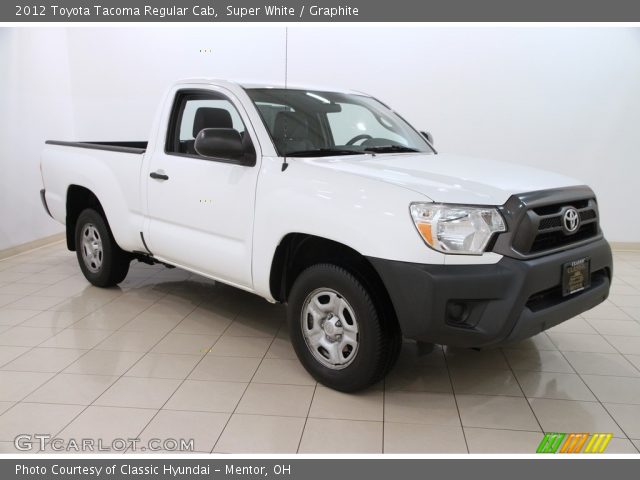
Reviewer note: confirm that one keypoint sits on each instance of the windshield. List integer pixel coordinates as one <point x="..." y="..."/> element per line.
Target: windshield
<point x="308" y="123"/>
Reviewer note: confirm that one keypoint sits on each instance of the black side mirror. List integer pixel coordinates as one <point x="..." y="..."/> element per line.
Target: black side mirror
<point x="428" y="136"/>
<point x="219" y="143"/>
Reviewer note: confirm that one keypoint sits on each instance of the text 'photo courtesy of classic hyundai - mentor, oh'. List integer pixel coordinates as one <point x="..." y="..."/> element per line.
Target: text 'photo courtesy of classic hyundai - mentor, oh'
<point x="331" y="203"/>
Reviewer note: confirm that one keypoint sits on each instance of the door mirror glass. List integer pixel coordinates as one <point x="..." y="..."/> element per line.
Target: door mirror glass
<point x="428" y="136"/>
<point x="219" y="143"/>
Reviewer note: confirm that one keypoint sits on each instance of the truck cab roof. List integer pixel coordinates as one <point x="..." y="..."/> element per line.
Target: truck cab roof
<point x="265" y="84"/>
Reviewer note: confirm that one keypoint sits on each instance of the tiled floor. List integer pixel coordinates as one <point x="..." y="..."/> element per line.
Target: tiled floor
<point x="172" y="355"/>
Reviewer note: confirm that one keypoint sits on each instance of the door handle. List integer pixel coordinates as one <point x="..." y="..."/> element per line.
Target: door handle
<point x="159" y="176"/>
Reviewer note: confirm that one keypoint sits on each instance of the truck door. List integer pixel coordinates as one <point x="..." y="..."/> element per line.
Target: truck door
<point x="201" y="209"/>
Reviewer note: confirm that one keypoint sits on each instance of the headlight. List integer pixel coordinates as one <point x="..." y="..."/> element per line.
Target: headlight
<point x="456" y="228"/>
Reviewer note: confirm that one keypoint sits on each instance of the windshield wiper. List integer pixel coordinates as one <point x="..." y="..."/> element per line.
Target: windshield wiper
<point x="390" y="149"/>
<point x="323" y="152"/>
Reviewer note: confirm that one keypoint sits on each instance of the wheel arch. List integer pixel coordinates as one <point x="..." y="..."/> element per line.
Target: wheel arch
<point x="298" y="251"/>
<point x="78" y="199"/>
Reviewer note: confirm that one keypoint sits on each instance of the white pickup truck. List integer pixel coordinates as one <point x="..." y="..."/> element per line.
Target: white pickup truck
<point x="330" y="202"/>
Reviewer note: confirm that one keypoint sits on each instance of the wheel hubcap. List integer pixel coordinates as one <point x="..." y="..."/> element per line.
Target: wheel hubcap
<point x="92" y="252"/>
<point x="330" y="328"/>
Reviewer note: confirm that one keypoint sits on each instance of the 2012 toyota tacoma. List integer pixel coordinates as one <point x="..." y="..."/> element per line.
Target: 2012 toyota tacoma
<point x="330" y="202"/>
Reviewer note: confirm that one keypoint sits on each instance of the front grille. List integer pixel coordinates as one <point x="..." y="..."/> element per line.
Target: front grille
<point x="536" y="222"/>
<point x="553" y="296"/>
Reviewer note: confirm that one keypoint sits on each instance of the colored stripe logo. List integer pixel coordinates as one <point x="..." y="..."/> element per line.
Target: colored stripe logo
<point x="574" y="443"/>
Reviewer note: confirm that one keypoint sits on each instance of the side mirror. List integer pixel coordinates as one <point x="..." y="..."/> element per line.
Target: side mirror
<point x="220" y="143"/>
<point x="428" y="136"/>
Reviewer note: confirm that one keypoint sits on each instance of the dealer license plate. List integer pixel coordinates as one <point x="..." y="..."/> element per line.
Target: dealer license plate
<point x="576" y="276"/>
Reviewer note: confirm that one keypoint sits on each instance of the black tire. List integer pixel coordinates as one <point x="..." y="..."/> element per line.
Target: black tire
<point x="379" y="336"/>
<point x="113" y="264"/>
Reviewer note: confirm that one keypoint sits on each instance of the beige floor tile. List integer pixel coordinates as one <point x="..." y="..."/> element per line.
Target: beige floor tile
<point x="75" y="338"/>
<point x="485" y="440"/>
<point x="627" y="416"/>
<point x="228" y="346"/>
<point x="9" y="353"/>
<point x="35" y="302"/>
<point x="99" y="320"/>
<point x="282" y="400"/>
<point x="574" y="342"/>
<point x="422" y="379"/>
<point x="614" y="389"/>
<point x="562" y="386"/>
<point x="366" y="405"/>
<point x="103" y="362"/>
<point x="44" y="278"/>
<point x="4" y="406"/>
<point x="341" y="436"/>
<point x="30" y="418"/>
<point x="625" y="300"/>
<point x="206" y="321"/>
<point x="499" y="412"/>
<point x="207" y="396"/>
<point x="606" y="311"/>
<point x="254" y="327"/>
<point x="164" y="365"/>
<point x="260" y="434"/>
<point x="627" y="345"/>
<point x="152" y="323"/>
<point x="130" y="341"/>
<point x="538" y="360"/>
<point x="12" y="316"/>
<point x="6" y="299"/>
<point x="52" y="319"/>
<point x="616" y="327"/>
<point x="602" y="364"/>
<point x="571" y="416"/>
<point x="45" y="360"/>
<point x="26" y="336"/>
<point x="20" y="289"/>
<point x="138" y="392"/>
<point x="204" y="428"/>
<point x="225" y="369"/>
<point x="485" y="382"/>
<point x="492" y="359"/>
<point x="538" y="342"/>
<point x="284" y="372"/>
<point x="108" y="423"/>
<point x="187" y="344"/>
<point x="633" y="312"/>
<point x="281" y="348"/>
<point x="408" y="438"/>
<point x="72" y="389"/>
<point x="15" y="386"/>
<point x="421" y="407"/>
<point x="573" y="325"/>
<point x="634" y="359"/>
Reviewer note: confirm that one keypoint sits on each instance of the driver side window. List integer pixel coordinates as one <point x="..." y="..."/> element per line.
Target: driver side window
<point x="194" y="111"/>
<point x="355" y="120"/>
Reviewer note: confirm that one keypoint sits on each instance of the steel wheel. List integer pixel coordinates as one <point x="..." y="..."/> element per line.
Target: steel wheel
<point x="92" y="250"/>
<point x="330" y="328"/>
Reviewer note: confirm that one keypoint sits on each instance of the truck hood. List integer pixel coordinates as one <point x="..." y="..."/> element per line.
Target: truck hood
<point x="449" y="178"/>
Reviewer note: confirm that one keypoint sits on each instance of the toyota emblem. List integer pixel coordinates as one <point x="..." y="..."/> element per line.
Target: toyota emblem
<point x="571" y="220"/>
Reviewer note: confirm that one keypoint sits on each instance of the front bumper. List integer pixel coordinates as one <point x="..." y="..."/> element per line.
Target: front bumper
<point x="488" y="305"/>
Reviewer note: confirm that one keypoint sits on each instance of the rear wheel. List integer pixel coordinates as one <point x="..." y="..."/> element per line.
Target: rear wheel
<point x="101" y="260"/>
<point x="339" y="335"/>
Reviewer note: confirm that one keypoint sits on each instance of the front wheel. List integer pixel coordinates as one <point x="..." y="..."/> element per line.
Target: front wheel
<point x="102" y="261"/>
<point x="338" y="334"/>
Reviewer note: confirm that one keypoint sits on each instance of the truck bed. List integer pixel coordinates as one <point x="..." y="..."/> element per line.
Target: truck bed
<point x="123" y="147"/>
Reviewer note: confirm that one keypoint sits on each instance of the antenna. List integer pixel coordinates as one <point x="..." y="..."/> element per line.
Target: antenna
<point x="285" y="165"/>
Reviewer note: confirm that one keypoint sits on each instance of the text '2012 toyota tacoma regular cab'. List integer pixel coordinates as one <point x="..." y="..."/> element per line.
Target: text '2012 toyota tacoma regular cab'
<point x="330" y="202"/>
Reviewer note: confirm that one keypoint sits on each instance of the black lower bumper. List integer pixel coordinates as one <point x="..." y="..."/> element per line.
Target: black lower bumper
<point x="483" y="305"/>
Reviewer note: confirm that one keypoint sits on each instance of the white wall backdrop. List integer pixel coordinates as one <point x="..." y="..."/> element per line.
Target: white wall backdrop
<point x="564" y="99"/>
